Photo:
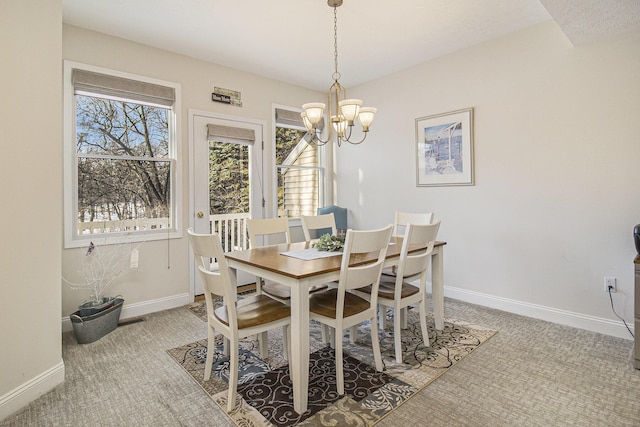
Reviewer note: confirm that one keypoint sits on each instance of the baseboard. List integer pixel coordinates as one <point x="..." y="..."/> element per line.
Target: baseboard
<point x="141" y="308"/>
<point x="21" y="396"/>
<point x="550" y="314"/>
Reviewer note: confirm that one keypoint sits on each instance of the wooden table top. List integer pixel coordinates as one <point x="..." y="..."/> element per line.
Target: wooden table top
<point x="270" y="258"/>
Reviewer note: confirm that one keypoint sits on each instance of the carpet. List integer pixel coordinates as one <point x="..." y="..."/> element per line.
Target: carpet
<point x="264" y="389"/>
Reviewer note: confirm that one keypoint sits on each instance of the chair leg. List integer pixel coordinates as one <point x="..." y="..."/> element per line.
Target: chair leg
<point x="325" y="334"/>
<point x="397" y="333"/>
<point x="375" y="344"/>
<point x="286" y="342"/>
<point x="211" y="348"/>
<point x="233" y="377"/>
<point x="423" y="323"/>
<point x="383" y="316"/>
<point x="339" y="362"/>
<point x="403" y="317"/>
<point x="328" y="335"/>
<point x="263" y="343"/>
<point x="354" y="334"/>
<point x="225" y="346"/>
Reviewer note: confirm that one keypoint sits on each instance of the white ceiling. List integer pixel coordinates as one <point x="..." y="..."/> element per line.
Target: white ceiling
<point x="292" y="40"/>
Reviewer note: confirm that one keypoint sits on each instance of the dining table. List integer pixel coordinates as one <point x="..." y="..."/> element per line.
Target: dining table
<point x="290" y="265"/>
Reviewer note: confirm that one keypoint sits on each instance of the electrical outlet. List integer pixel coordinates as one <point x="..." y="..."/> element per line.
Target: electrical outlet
<point x="134" y="258"/>
<point x="610" y="283"/>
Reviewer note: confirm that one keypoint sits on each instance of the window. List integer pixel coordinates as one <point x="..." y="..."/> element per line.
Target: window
<point x="120" y="161"/>
<point x="229" y="168"/>
<point x="300" y="176"/>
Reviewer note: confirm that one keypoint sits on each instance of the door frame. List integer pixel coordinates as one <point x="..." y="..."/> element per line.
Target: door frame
<point x="266" y="186"/>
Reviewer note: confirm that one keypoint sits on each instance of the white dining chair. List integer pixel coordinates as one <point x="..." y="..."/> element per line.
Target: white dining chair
<point x="235" y="319"/>
<point x="339" y="308"/>
<point x="399" y="293"/>
<point x="264" y="232"/>
<point x="312" y="223"/>
<point x="402" y="219"/>
<point x="272" y="230"/>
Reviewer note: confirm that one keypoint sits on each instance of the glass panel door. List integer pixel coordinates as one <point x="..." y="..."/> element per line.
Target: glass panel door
<point x="227" y="186"/>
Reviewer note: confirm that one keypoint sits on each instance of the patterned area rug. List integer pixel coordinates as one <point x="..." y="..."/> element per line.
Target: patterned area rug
<point x="264" y="390"/>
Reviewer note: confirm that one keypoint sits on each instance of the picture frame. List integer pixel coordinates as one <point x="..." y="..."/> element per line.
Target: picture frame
<point x="444" y="149"/>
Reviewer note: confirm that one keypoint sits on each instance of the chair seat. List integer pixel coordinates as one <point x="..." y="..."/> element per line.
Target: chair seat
<point x="255" y="310"/>
<point x="324" y="304"/>
<point x="389" y="271"/>
<point x="387" y="289"/>
<point x="281" y="291"/>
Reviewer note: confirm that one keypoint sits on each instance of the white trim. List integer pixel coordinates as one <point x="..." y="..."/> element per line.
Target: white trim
<point x="569" y="318"/>
<point x="71" y="239"/>
<point x="256" y="211"/>
<point x="141" y="308"/>
<point x="29" y="391"/>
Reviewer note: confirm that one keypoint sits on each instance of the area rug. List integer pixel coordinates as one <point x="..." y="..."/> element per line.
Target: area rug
<point x="264" y="388"/>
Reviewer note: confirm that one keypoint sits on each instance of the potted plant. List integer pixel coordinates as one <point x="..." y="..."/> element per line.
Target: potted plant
<point x="329" y="243"/>
<point x="100" y="314"/>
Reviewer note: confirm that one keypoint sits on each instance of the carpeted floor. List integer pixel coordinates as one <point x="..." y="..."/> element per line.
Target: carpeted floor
<point x="531" y="373"/>
<point x="265" y="387"/>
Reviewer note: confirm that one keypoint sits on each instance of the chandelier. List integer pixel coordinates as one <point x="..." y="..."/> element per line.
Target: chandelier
<point x="342" y="112"/>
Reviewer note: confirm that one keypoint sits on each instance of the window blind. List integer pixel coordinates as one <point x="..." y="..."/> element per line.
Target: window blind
<point x="231" y="134"/>
<point x="288" y="118"/>
<point x="89" y="82"/>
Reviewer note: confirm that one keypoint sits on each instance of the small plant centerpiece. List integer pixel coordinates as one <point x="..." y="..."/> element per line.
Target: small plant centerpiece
<point x="329" y="243"/>
<point x="100" y="314"/>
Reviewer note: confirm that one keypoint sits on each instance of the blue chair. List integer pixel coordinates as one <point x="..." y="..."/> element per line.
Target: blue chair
<point x="340" y="215"/>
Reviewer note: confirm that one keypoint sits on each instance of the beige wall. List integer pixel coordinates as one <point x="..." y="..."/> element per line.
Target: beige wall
<point x="557" y="169"/>
<point x="164" y="274"/>
<point x="31" y="194"/>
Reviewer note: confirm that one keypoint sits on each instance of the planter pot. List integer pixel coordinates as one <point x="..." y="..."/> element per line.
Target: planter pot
<point x="92" y="307"/>
<point x="93" y="327"/>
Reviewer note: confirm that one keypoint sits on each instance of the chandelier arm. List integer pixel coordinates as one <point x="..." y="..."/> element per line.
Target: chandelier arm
<point x="319" y="141"/>
<point x="359" y="142"/>
<point x="347" y="132"/>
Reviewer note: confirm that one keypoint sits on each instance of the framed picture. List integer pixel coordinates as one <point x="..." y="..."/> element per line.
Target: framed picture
<point x="444" y="145"/>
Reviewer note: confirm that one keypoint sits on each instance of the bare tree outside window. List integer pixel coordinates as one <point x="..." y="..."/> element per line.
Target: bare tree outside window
<point x="124" y="168"/>
<point x="228" y="178"/>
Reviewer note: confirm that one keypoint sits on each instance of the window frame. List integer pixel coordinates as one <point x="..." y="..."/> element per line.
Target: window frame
<point x="70" y="163"/>
<point x="321" y="168"/>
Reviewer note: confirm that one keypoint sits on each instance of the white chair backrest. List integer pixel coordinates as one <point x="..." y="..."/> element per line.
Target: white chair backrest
<point x="266" y="228"/>
<point x="318" y="222"/>
<point x="358" y="243"/>
<point x="416" y="263"/>
<point x="404" y="218"/>
<point x="207" y="246"/>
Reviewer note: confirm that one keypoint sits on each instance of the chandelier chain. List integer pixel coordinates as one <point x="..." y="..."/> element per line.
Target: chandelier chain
<point x="336" y="74"/>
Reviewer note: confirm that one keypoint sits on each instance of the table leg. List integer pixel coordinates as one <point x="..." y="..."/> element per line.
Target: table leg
<point x="299" y="363"/>
<point x="437" y="286"/>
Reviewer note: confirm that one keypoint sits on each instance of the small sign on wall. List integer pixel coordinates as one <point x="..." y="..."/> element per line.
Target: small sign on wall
<point x="227" y="96"/>
<point x="216" y="97"/>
